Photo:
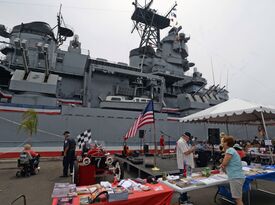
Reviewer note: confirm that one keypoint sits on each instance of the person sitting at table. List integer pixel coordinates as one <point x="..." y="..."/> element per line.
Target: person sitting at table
<point x="242" y="154"/>
<point x="256" y="142"/>
<point x="233" y="167"/>
<point x="247" y="147"/>
<point x="240" y="151"/>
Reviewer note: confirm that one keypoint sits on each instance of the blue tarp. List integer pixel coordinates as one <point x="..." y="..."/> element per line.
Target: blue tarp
<point x="249" y="179"/>
<point x="224" y="190"/>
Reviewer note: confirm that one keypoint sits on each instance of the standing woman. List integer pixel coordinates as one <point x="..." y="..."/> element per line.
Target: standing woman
<point x="233" y="166"/>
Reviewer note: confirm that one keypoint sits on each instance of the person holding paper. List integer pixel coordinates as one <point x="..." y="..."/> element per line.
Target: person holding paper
<point x="185" y="160"/>
<point x="233" y="167"/>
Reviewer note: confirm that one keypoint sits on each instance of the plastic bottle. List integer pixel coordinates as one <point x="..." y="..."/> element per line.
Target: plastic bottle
<point x="184" y="169"/>
<point x="188" y="171"/>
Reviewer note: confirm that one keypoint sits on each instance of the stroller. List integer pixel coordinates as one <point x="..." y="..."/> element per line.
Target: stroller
<point x="27" y="164"/>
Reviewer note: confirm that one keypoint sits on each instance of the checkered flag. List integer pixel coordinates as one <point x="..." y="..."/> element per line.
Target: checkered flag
<point x="83" y="138"/>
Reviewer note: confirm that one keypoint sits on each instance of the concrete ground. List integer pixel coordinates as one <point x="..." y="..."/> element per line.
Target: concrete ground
<point x="38" y="188"/>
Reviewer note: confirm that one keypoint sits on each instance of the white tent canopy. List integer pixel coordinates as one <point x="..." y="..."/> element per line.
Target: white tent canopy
<point x="234" y="111"/>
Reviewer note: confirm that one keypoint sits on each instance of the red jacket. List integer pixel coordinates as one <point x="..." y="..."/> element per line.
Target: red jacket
<point x="241" y="153"/>
<point x="31" y="152"/>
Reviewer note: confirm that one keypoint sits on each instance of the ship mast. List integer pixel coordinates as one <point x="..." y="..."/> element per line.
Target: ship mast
<point x="148" y="25"/>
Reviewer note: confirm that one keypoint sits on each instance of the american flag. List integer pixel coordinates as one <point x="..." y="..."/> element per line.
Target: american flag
<point x="146" y="117"/>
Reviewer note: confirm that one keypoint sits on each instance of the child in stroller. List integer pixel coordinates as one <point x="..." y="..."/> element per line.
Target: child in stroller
<point x="28" y="162"/>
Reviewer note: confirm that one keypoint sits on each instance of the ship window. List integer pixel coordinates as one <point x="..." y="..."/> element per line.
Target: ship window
<point x="116" y="99"/>
<point x="60" y="57"/>
<point x="143" y="100"/>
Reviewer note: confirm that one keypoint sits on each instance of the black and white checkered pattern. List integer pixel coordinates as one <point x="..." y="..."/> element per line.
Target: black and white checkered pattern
<point x="85" y="137"/>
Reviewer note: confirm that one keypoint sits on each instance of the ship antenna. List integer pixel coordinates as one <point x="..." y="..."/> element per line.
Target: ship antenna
<point x="172" y="9"/>
<point x="58" y="22"/>
<point x="62" y="32"/>
<point x="220" y="78"/>
<point x="212" y="71"/>
<point x="227" y="80"/>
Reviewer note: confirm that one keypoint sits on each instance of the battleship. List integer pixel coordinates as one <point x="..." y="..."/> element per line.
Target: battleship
<point x="73" y="91"/>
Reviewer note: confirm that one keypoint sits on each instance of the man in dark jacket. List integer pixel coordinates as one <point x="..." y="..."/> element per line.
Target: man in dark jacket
<point x="68" y="153"/>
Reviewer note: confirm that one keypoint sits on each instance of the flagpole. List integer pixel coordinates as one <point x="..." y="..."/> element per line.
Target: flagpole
<point x="155" y="168"/>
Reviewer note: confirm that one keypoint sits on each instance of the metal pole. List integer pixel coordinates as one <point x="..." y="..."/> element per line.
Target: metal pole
<point x="155" y="168"/>
<point x="269" y="147"/>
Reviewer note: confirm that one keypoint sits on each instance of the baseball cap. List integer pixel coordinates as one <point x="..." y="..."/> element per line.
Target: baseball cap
<point x="188" y="134"/>
<point x="237" y="146"/>
<point x="66" y="132"/>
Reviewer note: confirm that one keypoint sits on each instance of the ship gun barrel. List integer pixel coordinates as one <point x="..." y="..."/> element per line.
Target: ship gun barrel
<point x="47" y="70"/>
<point x="221" y="89"/>
<point x="22" y="46"/>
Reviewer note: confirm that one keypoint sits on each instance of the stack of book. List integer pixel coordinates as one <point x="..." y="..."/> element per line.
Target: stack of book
<point x="64" y="192"/>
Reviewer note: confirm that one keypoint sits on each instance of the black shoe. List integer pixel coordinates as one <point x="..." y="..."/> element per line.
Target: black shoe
<point x="64" y="176"/>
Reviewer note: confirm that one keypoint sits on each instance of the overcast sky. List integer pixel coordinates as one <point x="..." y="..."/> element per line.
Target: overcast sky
<point x="237" y="34"/>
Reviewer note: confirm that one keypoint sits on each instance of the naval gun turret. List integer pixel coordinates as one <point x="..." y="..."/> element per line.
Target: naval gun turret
<point x="30" y="57"/>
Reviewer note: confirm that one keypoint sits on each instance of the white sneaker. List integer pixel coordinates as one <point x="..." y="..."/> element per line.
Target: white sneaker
<point x="72" y="174"/>
<point x="186" y="203"/>
<point x="38" y="168"/>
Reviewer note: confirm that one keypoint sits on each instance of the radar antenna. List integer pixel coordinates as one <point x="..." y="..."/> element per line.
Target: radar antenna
<point x="148" y="24"/>
<point x="62" y="31"/>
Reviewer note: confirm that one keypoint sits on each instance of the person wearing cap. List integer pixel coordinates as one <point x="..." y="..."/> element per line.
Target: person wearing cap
<point x="68" y="153"/>
<point x="185" y="156"/>
<point x="239" y="150"/>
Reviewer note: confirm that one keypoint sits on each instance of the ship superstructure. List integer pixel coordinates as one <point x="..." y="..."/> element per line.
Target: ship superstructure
<point x="74" y="91"/>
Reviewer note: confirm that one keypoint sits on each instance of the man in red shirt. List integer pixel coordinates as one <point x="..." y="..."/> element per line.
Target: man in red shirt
<point x="161" y="144"/>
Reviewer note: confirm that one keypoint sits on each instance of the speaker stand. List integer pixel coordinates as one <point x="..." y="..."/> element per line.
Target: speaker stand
<point x="141" y="144"/>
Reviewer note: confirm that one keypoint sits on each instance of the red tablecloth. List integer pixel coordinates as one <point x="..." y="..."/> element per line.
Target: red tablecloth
<point x="152" y="197"/>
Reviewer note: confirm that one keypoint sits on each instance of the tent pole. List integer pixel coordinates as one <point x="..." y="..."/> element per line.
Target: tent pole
<point x="262" y="115"/>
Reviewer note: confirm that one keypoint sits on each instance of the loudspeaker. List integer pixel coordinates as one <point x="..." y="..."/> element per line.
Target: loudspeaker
<point x="214" y="136"/>
<point x="141" y="134"/>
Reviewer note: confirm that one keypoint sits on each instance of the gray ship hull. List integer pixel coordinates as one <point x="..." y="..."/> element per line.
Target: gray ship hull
<point x="108" y="126"/>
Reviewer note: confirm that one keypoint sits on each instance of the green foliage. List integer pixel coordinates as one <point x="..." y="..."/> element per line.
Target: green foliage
<point x="29" y="122"/>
